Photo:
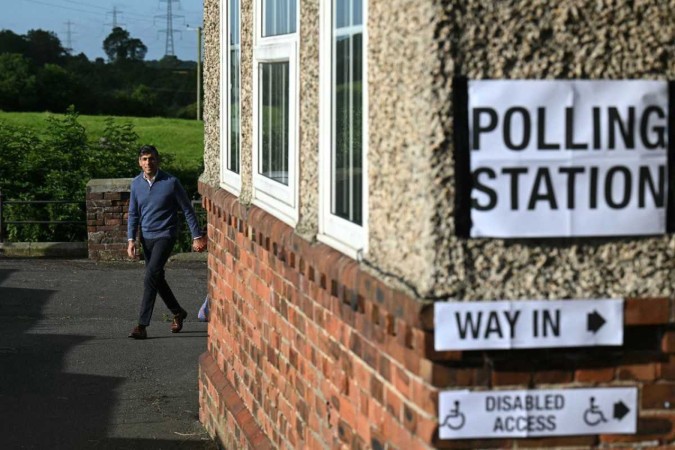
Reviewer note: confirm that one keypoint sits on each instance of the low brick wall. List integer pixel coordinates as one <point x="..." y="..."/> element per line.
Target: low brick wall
<point x="107" y="206"/>
<point x="306" y="350"/>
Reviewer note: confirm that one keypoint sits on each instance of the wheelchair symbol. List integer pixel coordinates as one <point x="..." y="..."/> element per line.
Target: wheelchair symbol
<point x="455" y="419"/>
<point x="593" y="416"/>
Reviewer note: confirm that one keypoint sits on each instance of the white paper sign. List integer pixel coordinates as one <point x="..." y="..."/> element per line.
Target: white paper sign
<point x="527" y="324"/>
<point x="532" y="413"/>
<point x="568" y="157"/>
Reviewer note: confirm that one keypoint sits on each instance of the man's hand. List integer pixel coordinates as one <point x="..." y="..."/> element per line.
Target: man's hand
<point x="131" y="249"/>
<point x="199" y="244"/>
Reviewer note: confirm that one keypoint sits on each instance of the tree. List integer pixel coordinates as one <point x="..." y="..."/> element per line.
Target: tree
<point x="169" y="62"/>
<point x="120" y="46"/>
<point x="44" y="47"/>
<point x="11" y="42"/>
<point x="37" y="74"/>
<point x="137" y="50"/>
<point x="17" y="83"/>
<point x="56" y="88"/>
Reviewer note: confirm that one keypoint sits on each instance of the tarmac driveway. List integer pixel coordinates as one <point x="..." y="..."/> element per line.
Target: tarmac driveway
<point x="70" y="378"/>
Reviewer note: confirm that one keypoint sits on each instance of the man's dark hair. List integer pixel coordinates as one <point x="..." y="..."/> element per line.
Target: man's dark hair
<point x="148" y="150"/>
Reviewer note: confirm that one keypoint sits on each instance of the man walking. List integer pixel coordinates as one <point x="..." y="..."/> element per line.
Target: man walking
<point x="155" y="199"/>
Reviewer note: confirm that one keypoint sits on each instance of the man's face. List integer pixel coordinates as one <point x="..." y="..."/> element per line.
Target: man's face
<point x="149" y="164"/>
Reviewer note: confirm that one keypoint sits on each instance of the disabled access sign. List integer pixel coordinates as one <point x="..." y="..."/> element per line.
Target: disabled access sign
<point x="537" y="413"/>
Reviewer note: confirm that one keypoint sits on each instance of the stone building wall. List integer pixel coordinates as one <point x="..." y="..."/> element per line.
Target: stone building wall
<point x="544" y="40"/>
<point x="310" y="349"/>
<point x="414" y="50"/>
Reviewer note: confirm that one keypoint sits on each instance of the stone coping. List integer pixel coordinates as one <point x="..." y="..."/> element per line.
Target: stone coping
<point x="109" y="185"/>
<point x="44" y="249"/>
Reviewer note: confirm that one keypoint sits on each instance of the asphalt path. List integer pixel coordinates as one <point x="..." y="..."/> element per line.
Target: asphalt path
<point x="70" y="378"/>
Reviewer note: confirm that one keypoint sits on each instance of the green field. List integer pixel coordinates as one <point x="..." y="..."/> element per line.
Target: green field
<point x="184" y="139"/>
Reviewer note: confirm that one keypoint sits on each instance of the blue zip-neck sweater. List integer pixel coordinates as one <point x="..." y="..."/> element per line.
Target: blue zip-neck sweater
<point x="155" y="208"/>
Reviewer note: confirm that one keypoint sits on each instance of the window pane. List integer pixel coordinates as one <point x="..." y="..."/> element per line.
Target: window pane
<point x="234" y="147"/>
<point x="234" y="22"/>
<point x="273" y="153"/>
<point x="234" y="144"/>
<point x="347" y="158"/>
<point x="342" y="13"/>
<point x="348" y="13"/>
<point x="357" y="15"/>
<point x="279" y="17"/>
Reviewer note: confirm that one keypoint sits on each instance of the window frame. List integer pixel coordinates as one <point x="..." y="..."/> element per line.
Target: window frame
<point x="276" y="198"/>
<point x="229" y="179"/>
<point x="337" y="232"/>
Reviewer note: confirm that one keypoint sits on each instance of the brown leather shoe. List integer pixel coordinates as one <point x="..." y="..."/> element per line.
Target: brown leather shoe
<point x="138" y="332"/>
<point x="177" y="324"/>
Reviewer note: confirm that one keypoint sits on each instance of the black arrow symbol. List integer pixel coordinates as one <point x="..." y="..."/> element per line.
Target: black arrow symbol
<point x="595" y="321"/>
<point x="620" y="410"/>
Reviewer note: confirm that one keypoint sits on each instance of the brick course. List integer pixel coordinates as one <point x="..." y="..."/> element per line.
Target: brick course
<point x="320" y="353"/>
<point x="107" y="206"/>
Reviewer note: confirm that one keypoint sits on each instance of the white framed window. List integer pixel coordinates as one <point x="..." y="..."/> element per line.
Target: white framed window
<point x="343" y="181"/>
<point x="230" y="95"/>
<point x="275" y="108"/>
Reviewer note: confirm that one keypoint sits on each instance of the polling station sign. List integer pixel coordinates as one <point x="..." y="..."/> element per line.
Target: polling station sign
<point x="559" y="158"/>
<point x="501" y="325"/>
<point x="537" y="413"/>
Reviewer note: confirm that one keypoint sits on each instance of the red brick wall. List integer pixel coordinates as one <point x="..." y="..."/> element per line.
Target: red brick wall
<point x="308" y="350"/>
<point x="107" y="206"/>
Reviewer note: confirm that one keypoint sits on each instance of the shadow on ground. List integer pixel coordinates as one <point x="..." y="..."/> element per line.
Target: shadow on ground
<point x="43" y="407"/>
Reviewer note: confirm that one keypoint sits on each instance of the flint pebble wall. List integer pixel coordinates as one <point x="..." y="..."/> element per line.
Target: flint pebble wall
<point x="308" y="349"/>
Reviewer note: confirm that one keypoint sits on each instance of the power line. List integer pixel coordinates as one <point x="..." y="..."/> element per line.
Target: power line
<point x="61" y="7"/>
<point x="95" y="13"/>
<point x="85" y="4"/>
<point x="169" y="30"/>
<point x="69" y="37"/>
<point x="114" y="13"/>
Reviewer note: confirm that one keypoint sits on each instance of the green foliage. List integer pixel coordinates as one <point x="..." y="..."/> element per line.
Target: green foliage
<point x="184" y="241"/>
<point x="47" y="157"/>
<point x="57" y="165"/>
<point x="48" y="78"/>
<point x="114" y="153"/>
<point x="15" y="144"/>
<point x="38" y="74"/>
<point x="186" y="112"/>
<point x="17" y="83"/>
<point x="120" y="46"/>
<point x="44" y="47"/>
<point x="11" y="42"/>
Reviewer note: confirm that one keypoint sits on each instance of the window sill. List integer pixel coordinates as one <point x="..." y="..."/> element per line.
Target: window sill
<point x="346" y="249"/>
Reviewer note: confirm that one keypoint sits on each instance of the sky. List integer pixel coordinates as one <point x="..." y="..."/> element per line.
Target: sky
<point x="91" y="21"/>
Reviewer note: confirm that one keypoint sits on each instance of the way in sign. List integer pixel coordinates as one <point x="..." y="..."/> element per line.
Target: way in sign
<point x="528" y="324"/>
<point x="498" y="324"/>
